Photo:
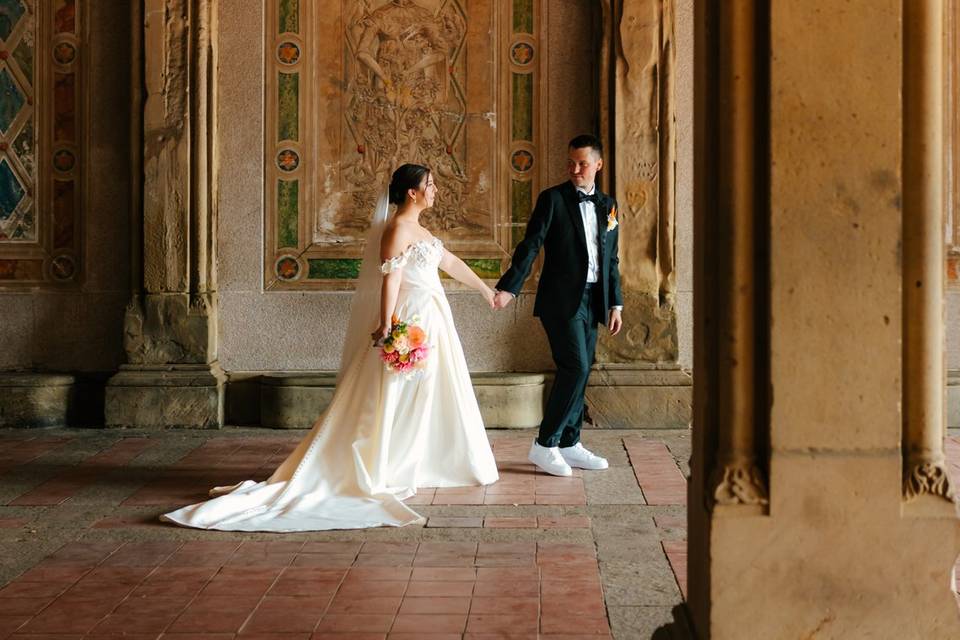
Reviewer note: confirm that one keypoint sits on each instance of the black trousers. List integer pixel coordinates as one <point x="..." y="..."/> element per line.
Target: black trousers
<point x="573" y="343"/>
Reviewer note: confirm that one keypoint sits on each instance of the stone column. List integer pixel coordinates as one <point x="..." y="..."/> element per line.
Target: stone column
<point x="924" y="365"/>
<point x="810" y="325"/>
<point x="170" y="330"/>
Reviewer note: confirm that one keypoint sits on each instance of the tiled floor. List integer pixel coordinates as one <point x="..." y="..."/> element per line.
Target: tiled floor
<point x="83" y="555"/>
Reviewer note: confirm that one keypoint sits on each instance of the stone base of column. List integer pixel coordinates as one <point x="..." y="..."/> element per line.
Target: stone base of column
<point x="161" y="396"/>
<point x="841" y="555"/>
<point x="640" y="396"/>
<point x="29" y="400"/>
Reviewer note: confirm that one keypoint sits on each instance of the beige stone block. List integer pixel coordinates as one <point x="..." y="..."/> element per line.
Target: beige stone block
<point x="836" y="557"/>
<point x="640" y="397"/>
<point x="296" y="400"/>
<point x="30" y="400"/>
<point x="17" y="336"/>
<point x="160" y="397"/>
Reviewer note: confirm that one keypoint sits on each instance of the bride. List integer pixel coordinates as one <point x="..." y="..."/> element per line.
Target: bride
<point x="384" y="434"/>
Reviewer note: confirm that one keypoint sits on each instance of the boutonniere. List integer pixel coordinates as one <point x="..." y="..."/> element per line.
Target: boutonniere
<point x="612" y="219"/>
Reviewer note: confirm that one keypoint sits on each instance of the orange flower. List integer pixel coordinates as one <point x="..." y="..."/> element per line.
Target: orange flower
<point x="394" y="319"/>
<point x="415" y="336"/>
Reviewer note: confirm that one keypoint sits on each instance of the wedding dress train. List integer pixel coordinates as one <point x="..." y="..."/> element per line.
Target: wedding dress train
<point x="382" y="436"/>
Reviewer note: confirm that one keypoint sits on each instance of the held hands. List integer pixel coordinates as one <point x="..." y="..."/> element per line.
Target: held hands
<point x="502" y="299"/>
<point x="616" y="322"/>
<point x="489" y="295"/>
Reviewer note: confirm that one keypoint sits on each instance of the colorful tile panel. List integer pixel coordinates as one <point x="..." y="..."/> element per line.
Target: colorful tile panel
<point x="64" y="107"/>
<point x="30" y="270"/>
<point x="63" y="213"/>
<point x="288" y="206"/>
<point x="488" y="268"/>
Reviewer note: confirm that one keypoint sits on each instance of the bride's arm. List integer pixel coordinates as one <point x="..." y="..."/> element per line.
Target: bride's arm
<point x="458" y="270"/>
<point x="390" y="247"/>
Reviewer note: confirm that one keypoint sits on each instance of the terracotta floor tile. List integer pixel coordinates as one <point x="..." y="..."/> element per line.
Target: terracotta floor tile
<point x="506" y="604"/>
<point x="373" y="587"/>
<point x="572" y="588"/>
<point x="465" y="548"/>
<point x="517" y="588"/>
<point x="416" y="635"/>
<point x="236" y="587"/>
<point x="443" y="560"/>
<point x="563" y="522"/>
<point x="339" y="548"/>
<point x="20" y="589"/>
<point x="390" y="547"/>
<point x="211" y="621"/>
<point x="344" y="623"/>
<point x="582" y="623"/>
<point x="438" y="588"/>
<point x="508" y="574"/>
<point x="493" y="522"/>
<point x="445" y="574"/>
<point x="284" y="614"/>
<point x="493" y="548"/>
<point x="430" y="605"/>
<point x="50" y="573"/>
<point x="363" y="604"/>
<point x="23" y="606"/>
<point x="379" y="573"/>
<point x="502" y="623"/>
<point x="384" y="560"/>
<point x="287" y="586"/>
<point x="426" y="624"/>
<point x="121" y="623"/>
<point x="329" y="560"/>
<point x="9" y="624"/>
<point x="509" y="498"/>
<point x="327" y="635"/>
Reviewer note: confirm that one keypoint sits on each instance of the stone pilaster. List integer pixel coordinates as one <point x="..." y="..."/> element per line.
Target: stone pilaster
<point x="637" y="114"/>
<point x="819" y="120"/>
<point x="170" y="329"/>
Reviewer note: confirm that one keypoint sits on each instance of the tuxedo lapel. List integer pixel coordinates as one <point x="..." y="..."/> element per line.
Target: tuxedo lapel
<point x="602" y="210"/>
<point x="573" y="208"/>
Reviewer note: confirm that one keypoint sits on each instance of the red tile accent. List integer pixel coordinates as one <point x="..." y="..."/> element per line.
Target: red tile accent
<point x="677" y="555"/>
<point x="657" y="472"/>
<point x="427" y="624"/>
<point x="564" y="522"/>
<point x="492" y="522"/>
<point x="71" y="481"/>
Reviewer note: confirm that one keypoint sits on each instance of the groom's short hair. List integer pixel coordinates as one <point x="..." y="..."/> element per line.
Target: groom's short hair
<point x="586" y="140"/>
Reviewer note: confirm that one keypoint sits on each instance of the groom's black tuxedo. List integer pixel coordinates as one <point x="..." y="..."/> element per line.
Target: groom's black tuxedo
<point x="557" y="226"/>
<point x="567" y="305"/>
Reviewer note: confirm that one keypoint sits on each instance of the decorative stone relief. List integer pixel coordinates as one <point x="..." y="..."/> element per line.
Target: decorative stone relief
<point x="739" y="483"/>
<point x="928" y="478"/>
<point x="354" y="89"/>
<point x="639" y="38"/>
<point x="40" y="149"/>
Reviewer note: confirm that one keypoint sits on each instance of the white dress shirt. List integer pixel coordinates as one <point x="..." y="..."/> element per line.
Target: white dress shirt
<point x="588" y="213"/>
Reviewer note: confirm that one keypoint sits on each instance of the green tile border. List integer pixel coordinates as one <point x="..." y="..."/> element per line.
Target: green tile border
<point x="523" y="106"/>
<point x="523" y="16"/>
<point x="288" y="103"/>
<point x="288" y="209"/>
<point x="333" y="268"/>
<point x="289" y="13"/>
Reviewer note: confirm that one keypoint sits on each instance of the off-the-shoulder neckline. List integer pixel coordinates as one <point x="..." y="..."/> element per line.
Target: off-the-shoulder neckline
<point x="432" y="241"/>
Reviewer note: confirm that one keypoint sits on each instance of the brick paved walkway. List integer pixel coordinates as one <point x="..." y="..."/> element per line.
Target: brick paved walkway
<point x="82" y="554"/>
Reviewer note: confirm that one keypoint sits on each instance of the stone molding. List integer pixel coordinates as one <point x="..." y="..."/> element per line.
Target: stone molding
<point x="928" y="478"/>
<point x="739" y="483"/>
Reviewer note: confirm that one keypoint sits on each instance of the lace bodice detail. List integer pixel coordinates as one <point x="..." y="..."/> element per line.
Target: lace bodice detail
<point x="422" y="253"/>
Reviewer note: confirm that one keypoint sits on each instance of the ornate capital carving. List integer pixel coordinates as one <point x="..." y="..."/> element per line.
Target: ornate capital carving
<point x="927" y="478"/>
<point x="739" y="483"/>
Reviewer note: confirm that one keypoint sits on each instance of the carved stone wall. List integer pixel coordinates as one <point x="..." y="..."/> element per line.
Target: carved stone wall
<point x="354" y="89"/>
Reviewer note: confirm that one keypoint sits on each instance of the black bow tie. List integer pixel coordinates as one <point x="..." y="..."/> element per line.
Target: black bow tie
<point x="593" y="197"/>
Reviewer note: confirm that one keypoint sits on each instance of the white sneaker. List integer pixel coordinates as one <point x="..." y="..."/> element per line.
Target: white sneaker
<point x="549" y="459"/>
<point x="582" y="458"/>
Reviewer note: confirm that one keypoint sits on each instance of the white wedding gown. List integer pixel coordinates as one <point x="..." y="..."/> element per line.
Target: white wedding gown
<point x="383" y="436"/>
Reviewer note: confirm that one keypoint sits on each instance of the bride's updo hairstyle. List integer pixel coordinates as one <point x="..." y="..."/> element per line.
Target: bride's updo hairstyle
<point x="408" y="176"/>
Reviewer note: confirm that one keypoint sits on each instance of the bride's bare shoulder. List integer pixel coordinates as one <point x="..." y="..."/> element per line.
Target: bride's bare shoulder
<point x="395" y="239"/>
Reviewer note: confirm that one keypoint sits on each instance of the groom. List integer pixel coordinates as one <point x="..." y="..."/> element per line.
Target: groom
<point x="577" y="227"/>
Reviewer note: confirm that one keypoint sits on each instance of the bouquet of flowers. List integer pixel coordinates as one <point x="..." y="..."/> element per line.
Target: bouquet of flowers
<point x="405" y="349"/>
